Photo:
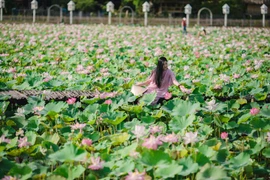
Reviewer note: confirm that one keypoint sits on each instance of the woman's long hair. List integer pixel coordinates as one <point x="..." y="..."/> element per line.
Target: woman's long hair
<point x="159" y="71"/>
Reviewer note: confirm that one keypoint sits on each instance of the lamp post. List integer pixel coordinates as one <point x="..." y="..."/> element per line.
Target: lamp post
<point x="146" y="9"/>
<point x="188" y="9"/>
<point x="226" y="11"/>
<point x="71" y="8"/>
<point x="34" y="6"/>
<point x="110" y="9"/>
<point x="264" y="10"/>
<point x="2" y="6"/>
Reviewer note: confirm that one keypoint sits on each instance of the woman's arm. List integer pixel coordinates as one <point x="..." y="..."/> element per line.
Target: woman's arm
<point x="147" y="82"/>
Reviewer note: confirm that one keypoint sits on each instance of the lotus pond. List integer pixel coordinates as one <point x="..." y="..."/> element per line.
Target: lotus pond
<point x="219" y="129"/>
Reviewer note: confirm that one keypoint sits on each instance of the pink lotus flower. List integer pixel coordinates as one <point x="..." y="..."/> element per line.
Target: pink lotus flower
<point x="139" y="131"/>
<point x="224" y="135"/>
<point x="9" y="178"/>
<point x="190" y="137"/>
<point x="4" y="139"/>
<point x="135" y="175"/>
<point x="248" y="69"/>
<point x="170" y="138"/>
<point x="134" y="154"/>
<point x="152" y="142"/>
<point x="155" y="129"/>
<point x="96" y="163"/>
<point x="71" y="100"/>
<point x="211" y="105"/>
<point x="23" y="142"/>
<point x="217" y="87"/>
<point x="168" y="96"/>
<point x="254" y="111"/>
<point x="108" y="101"/>
<point x="146" y="64"/>
<point x="87" y="142"/>
<point x="268" y="137"/>
<point x="132" y="61"/>
<point x="236" y="76"/>
<point x="20" y="132"/>
<point x="78" y="126"/>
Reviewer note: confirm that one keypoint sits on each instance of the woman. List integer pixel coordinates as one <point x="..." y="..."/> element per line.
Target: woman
<point x="160" y="80"/>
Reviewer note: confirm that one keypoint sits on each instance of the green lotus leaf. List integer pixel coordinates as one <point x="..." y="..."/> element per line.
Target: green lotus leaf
<point x="124" y="167"/>
<point x="21" y="170"/>
<point x="256" y="146"/>
<point x="54" y="138"/>
<point x="201" y="159"/>
<point x="12" y="143"/>
<point x="3" y="107"/>
<point x="206" y="150"/>
<point x="242" y="101"/>
<point x="147" y="99"/>
<point x="168" y="171"/>
<point x="69" y="172"/>
<point x="133" y="108"/>
<point x="258" y="123"/>
<point x="241" y="160"/>
<point x="148" y="119"/>
<point x="54" y="107"/>
<point x="118" y="139"/>
<point x="244" y="118"/>
<point x="33" y="123"/>
<point x="222" y="155"/>
<point x="90" y="101"/>
<point x="114" y="118"/>
<point x="178" y="107"/>
<point x="69" y="153"/>
<point x="181" y="123"/>
<point x="155" y="157"/>
<point x="31" y="137"/>
<point x="265" y="111"/>
<point x="127" y="150"/>
<point x="5" y="165"/>
<point x="189" y="166"/>
<point x="266" y="152"/>
<point x="212" y="172"/>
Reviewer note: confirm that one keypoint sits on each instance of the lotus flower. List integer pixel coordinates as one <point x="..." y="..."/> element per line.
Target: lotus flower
<point x="152" y="142"/>
<point x="135" y="175"/>
<point x="9" y="178"/>
<point x="87" y="142"/>
<point x="254" y="111"/>
<point x="96" y="163"/>
<point x="268" y="137"/>
<point x="139" y="131"/>
<point x="109" y="101"/>
<point x="78" y="126"/>
<point x="155" y="129"/>
<point x="23" y="142"/>
<point x="71" y="100"/>
<point x="170" y="138"/>
<point x="211" y="105"/>
<point x="4" y="139"/>
<point x="190" y="137"/>
<point x="168" y="96"/>
<point x="224" y="135"/>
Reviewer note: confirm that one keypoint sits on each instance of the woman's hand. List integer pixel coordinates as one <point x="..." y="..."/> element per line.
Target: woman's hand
<point x="185" y="90"/>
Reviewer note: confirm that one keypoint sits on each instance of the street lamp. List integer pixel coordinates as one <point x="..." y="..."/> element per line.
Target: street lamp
<point x="226" y="11"/>
<point x="188" y="9"/>
<point x="71" y="8"/>
<point x="2" y="6"/>
<point x="34" y="6"/>
<point x="146" y="9"/>
<point x="264" y="10"/>
<point x="110" y="9"/>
